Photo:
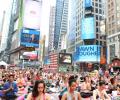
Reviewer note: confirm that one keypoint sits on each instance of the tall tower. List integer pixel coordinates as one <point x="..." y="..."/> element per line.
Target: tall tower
<point x="113" y="28"/>
<point x="61" y="18"/>
<point x="51" y="28"/>
<point x="1" y="26"/>
<point x="97" y="11"/>
<point x="5" y="27"/>
<point x="88" y="39"/>
<point x="24" y="31"/>
<point x="64" y="26"/>
<point x="71" y="27"/>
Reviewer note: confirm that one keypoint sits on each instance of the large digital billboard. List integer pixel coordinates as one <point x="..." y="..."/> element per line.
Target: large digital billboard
<point x="88" y="28"/>
<point x="32" y="14"/>
<point x="88" y="3"/>
<point x="65" y="58"/>
<point x="33" y="55"/>
<point x="29" y="38"/>
<point x="87" y="53"/>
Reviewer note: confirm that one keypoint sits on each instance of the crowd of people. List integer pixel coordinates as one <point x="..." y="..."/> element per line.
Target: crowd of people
<point x="35" y="85"/>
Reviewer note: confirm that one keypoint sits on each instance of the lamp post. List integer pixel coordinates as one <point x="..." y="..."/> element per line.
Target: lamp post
<point x="119" y="44"/>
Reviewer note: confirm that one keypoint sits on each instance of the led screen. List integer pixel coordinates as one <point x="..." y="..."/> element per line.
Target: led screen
<point x="32" y="14"/>
<point x="29" y="38"/>
<point x="88" y="28"/>
<point x="87" y="53"/>
<point x="65" y="58"/>
<point x="33" y="55"/>
<point x="88" y="3"/>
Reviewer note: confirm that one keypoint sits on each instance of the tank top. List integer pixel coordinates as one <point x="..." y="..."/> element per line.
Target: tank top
<point x="69" y="96"/>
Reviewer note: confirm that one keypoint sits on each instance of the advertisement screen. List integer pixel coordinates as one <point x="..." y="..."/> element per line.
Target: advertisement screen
<point x="32" y="14"/>
<point x="30" y="38"/>
<point x="87" y="53"/>
<point x="30" y="55"/>
<point x="88" y="3"/>
<point x="88" y="28"/>
<point x="65" y="58"/>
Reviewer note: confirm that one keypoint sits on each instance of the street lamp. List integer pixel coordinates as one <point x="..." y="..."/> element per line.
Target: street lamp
<point x="119" y="44"/>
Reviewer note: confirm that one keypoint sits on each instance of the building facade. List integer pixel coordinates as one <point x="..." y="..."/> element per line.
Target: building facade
<point x="61" y="19"/>
<point x="51" y="29"/>
<point x="113" y="29"/>
<point x="22" y="24"/>
<point x="71" y="27"/>
<point x="2" y="20"/>
<point x="64" y="26"/>
<point x="5" y="26"/>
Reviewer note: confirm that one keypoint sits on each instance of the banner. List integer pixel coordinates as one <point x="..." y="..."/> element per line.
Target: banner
<point x="88" y="28"/>
<point x="29" y="38"/>
<point x="32" y="14"/>
<point x="87" y="53"/>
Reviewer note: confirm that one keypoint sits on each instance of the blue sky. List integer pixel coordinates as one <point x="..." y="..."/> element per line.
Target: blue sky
<point x="5" y="4"/>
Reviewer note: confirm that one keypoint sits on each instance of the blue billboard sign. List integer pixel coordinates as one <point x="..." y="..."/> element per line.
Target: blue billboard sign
<point x="88" y="3"/>
<point x="88" y="28"/>
<point x="29" y="38"/>
<point x="87" y="53"/>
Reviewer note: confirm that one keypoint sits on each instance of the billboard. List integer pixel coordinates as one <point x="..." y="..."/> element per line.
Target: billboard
<point x="30" y="55"/>
<point x="32" y="14"/>
<point x="65" y="58"/>
<point x="29" y="38"/>
<point x="88" y="3"/>
<point x="87" y="53"/>
<point x="88" y="28"/>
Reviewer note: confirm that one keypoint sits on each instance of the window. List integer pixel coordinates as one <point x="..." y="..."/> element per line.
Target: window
<point x="96" y="23"/>
<point x="96" y="17"/>
<point x="97" y="42"/>
<point x="100" y="11"/>
<point x="113" y="17"/>
<point x="96" y="29"/>
<point x="100" y="6"/>
<point x="96" y="4"/>
<point x="100" y="42"/>
<point x="100" y="17"/>
<point x="112" y="51"/>
<point x="96" y="10"/>
<point x="97" y="36"/>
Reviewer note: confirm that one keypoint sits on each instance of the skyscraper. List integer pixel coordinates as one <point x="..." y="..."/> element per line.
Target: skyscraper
<point x="1" y="26"/>
<point x="61" y="19"/>
<point x="98" y="13"/>
<point x="51" y="28"/>
<point x="25" y="21"/>
<point x="71" y="27"/>
<point x="5" y="26"/>
<point x="113" y="28"/>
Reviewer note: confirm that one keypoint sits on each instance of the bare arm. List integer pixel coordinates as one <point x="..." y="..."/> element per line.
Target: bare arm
<point x="107" y="96"/>
<point x="64" y="97"/>
<point x="79" y="96"/>
<point x="29" y="97"/>
<point x="94" y="95"/>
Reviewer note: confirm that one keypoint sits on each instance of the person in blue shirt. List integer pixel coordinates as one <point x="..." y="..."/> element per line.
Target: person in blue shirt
<point x="10" y="88"/>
